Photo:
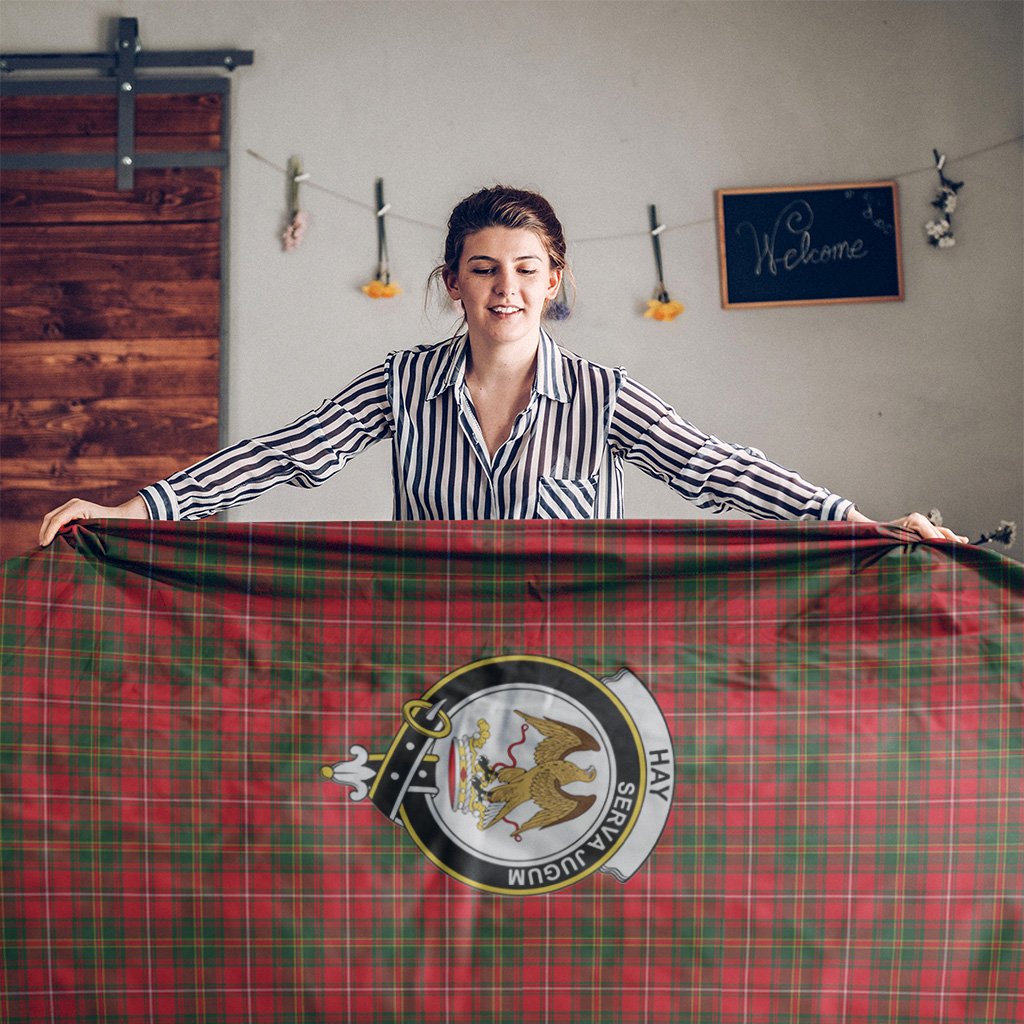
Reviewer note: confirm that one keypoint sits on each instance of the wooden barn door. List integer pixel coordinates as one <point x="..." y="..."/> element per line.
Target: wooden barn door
<point x="111" y="302"/>
<point x="110" y="310"/>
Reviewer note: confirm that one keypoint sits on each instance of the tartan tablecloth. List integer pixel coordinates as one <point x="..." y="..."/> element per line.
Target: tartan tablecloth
<point x="566" y="772"/>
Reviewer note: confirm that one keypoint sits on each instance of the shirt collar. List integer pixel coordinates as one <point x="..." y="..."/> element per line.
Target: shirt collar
<point x="549" y="381"/>
<point x="451" y="369"/>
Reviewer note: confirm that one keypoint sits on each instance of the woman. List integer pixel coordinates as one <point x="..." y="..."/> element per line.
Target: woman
<point x="497" y="422"/>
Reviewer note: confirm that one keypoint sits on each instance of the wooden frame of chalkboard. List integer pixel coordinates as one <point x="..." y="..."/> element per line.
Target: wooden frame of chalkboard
<point x="810" y="244"/>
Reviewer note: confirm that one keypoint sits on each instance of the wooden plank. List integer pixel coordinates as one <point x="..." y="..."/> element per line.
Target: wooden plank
<point x="81" y="197"/>
<point x="86" y="474"/>
<point x="30" y="487"/>
<point x="110" y="369"/>
<point x="18" y="537"/>
<point x="61" y="428"/>
<point x="110" y="252"/>
<point x="95" y="310"/>
<point x="108" y="144"/>
<point x="84" y="116"/>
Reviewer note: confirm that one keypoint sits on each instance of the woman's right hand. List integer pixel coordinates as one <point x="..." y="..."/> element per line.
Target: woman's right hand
<point x="77" y="508"/>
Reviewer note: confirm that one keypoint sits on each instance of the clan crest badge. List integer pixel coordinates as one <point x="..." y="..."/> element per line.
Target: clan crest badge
<point x="522" y="774"/>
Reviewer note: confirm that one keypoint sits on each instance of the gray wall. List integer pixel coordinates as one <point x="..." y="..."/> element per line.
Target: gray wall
<point x="606" y="107"/>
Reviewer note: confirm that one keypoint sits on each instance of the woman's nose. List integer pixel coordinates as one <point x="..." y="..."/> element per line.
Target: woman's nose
<point x="504" y="283"/>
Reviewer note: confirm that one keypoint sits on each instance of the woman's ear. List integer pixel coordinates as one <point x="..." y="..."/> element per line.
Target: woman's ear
<point x="554" y="282"/>
<point x="451" y="283"/>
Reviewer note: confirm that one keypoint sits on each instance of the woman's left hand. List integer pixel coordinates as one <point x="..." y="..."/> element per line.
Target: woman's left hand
<point x="915" y="523"/>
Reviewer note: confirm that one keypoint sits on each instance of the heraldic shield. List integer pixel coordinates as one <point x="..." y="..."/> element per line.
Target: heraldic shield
<point x="522" y="774"/>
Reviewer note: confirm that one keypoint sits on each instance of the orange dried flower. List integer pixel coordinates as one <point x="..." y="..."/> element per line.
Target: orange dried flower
<point x="664" y="311"/>
<point x="380" y="290"/>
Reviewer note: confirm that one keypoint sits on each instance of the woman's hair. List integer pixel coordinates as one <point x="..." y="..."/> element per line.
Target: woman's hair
<point x="501" y="207"/>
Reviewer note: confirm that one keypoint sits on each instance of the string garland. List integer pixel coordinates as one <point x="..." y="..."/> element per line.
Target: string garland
<point x="661" y="308"/>
<point x="311" y="183"/>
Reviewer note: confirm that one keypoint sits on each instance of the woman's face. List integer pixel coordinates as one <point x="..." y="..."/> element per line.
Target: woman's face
<point x="505" y="278"/>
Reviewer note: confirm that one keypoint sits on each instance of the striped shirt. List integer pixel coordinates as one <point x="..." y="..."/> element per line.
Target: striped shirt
<point x="562" y="460"/>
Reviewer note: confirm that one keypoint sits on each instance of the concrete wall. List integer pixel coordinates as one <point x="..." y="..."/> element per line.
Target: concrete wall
<point x="606" y="107"/>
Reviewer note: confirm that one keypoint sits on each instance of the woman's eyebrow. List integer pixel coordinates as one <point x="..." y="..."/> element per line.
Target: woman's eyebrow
<point x="494" y="259"/>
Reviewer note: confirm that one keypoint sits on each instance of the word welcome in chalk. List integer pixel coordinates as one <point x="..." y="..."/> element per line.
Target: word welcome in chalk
<point x="807" y="244"/>
<point x="795" y="221"/>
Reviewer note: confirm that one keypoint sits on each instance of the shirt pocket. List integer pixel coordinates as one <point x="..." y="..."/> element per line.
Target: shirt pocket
<point x="566" y="498"/>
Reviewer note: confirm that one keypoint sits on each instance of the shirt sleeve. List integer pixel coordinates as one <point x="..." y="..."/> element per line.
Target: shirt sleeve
<point x="304" y="454"/>
<point x="711" y="473"/>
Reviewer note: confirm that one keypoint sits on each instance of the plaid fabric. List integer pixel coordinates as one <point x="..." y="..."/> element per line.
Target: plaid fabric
<point x="844" y="842"/>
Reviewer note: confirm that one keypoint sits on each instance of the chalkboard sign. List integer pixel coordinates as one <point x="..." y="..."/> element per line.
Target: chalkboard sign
<point x="810" y="244"/>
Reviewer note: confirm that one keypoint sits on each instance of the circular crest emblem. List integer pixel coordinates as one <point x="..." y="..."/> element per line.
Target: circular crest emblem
<point x="522" y="774"/>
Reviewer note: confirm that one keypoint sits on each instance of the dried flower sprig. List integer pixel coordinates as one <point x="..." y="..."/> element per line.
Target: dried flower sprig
<point x="664" y="311"/>
<point x="298" y="218"/>
<point x="661" y="307"/>
<point x="940" y="231"/>
<point x="1004" y="533"/>
<point x="292" y="235"/>
<point x="381" y="287"/>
